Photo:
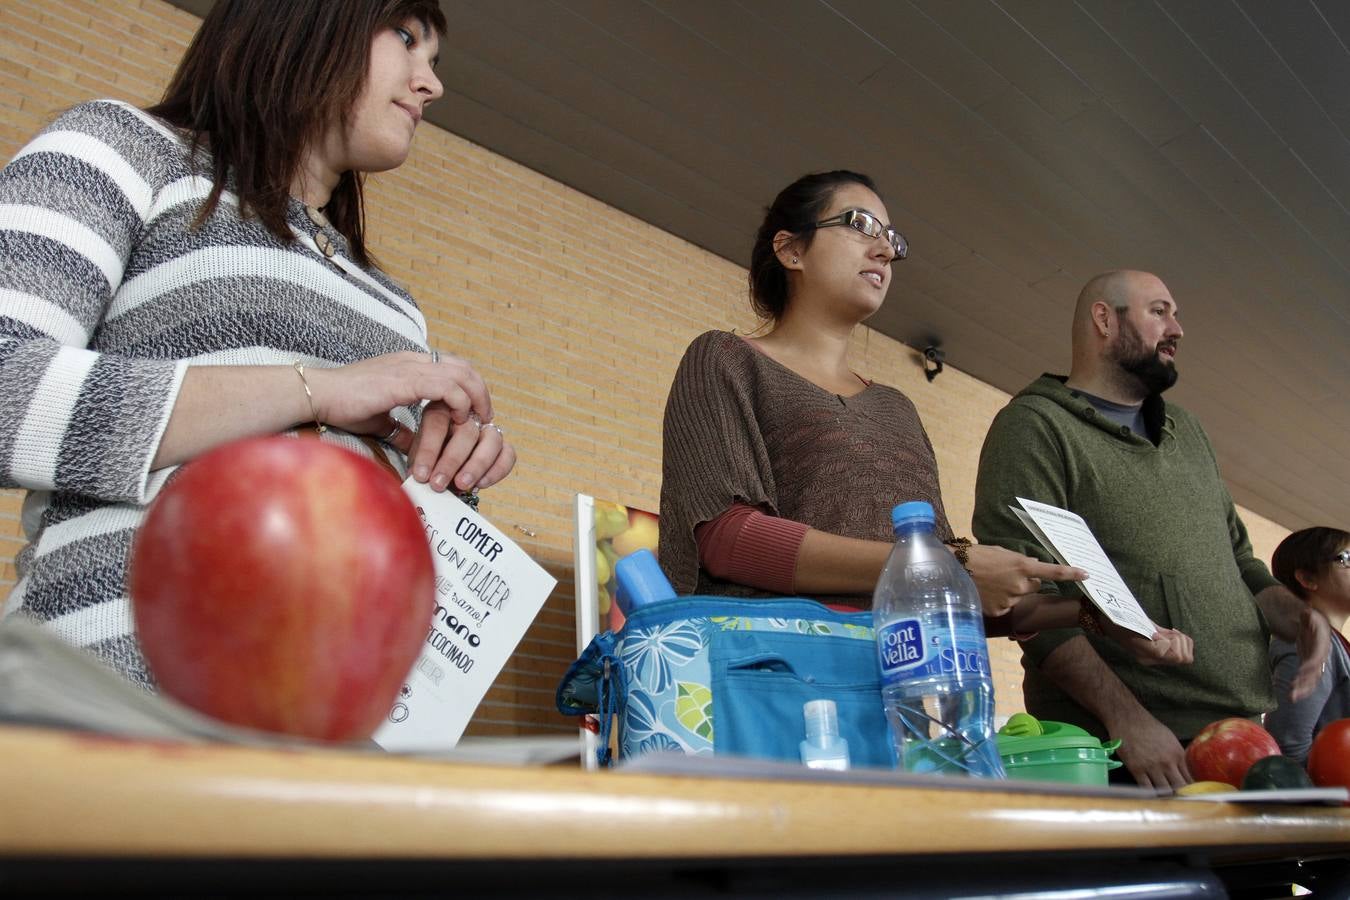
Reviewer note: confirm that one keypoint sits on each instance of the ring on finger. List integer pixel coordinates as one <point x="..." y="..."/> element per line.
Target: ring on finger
<point x="393" y="433"/>
<point x="435" y="356"/>
<point x="477" y="422"/>
<point x="497" y="428"/>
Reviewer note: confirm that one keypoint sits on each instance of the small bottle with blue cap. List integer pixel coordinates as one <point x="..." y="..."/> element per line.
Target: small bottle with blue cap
<point x="823" y="747"/>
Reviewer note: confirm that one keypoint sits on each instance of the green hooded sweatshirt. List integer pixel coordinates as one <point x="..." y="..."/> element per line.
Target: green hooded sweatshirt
<point x="1165" y="519"/>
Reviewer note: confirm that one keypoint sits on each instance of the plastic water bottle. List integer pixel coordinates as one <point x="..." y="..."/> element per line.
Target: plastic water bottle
<point x="935" y="680"/>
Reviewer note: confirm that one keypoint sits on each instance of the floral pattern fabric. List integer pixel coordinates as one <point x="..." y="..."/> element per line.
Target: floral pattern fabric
<point x="664" y="673"/>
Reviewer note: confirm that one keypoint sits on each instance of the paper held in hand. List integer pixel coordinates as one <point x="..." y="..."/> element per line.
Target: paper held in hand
<point x="488" y="591"/>
<point x="1070" y="541"/>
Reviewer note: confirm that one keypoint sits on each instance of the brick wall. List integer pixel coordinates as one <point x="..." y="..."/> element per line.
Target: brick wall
<point x="576" y="314"/>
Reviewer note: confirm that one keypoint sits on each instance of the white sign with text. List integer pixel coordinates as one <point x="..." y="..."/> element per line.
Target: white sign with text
<point x="1070" y="541"/>
<point x="488" y="591"/>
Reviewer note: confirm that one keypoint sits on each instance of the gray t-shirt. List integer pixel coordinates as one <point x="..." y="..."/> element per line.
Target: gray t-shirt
<point x="1131" y="417"/>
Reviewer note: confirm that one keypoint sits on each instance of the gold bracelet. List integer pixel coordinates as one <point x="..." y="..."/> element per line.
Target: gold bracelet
<point x="961" y="550"/>
<point x="300" y="370"/>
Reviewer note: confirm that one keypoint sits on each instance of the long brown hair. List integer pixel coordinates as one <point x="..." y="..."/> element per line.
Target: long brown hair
<point x="263" y="80"/>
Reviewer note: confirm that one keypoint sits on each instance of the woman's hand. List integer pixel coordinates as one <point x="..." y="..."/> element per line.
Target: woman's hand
<point x="472" y="453"/>
<point x="1004" y="577"/>
<point x="457" y="442"/>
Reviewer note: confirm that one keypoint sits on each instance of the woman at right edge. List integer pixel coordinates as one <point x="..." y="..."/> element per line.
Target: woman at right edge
<point x="1314" y="563"/>
<point x="781" y="464"/>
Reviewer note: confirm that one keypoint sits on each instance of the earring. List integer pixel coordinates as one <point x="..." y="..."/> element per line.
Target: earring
<point x="795" y="260"/>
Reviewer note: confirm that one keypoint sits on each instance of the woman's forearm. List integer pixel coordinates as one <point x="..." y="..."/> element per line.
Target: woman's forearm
<point x="832" y="564"/>
<point x="218" y="404"/>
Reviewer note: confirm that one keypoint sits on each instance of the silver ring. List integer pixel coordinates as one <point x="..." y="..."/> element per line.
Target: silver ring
<point x="477" y="422"/>
<point x="497" y="428"/>
<point x="435" y="356"/>
<point x="393" y="432"/>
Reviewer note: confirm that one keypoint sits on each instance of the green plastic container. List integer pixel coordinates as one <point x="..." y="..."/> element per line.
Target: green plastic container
<point x="1063" y="753"/>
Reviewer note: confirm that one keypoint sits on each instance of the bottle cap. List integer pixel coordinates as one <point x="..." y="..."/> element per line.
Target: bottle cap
<point x="915" y="512"/>
<point x="640" y="581"/>
<point x="822" y="721"/>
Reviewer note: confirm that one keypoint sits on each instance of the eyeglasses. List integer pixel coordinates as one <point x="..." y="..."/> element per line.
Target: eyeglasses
<point x="1342" y="559"/>
<point x="867" y="224"/>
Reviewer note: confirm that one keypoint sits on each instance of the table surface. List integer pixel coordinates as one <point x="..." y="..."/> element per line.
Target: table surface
<point x="69" y="794"/>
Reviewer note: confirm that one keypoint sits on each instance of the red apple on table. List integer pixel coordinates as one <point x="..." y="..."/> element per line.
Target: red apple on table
<point x="1225" y="750"/>
<point x="283" y="584"/>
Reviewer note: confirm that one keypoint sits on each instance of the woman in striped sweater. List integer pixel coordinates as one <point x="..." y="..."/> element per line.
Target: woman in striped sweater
<point x="166" y="274"/>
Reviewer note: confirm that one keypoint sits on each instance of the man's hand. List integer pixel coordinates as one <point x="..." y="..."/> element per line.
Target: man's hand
<point x="1147" y="747"/>
<point x="1295" y="621"/>
<point x="1314" y="646"/>
<point x="1169" y="647"/>
<point x="1151" y="751"/>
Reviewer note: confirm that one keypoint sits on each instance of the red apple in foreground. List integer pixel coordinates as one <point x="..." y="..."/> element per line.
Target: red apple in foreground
<point x="1225" y="750"/>
<point x="283" y="584"/>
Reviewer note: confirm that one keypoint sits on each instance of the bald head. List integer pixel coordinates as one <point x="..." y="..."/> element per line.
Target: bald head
<point x="1117" y="291"/>
<point x="1113" y="288"/>
<point x="1125" y="334"/>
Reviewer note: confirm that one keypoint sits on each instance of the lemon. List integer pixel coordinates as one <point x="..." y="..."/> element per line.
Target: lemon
<point x="1204" y="787"/>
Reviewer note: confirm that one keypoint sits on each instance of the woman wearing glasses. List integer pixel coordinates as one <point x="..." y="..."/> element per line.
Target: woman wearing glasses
<point x="781" y="464"/>
<point x="177" y="278"/>
<point x="1315" y="564"/>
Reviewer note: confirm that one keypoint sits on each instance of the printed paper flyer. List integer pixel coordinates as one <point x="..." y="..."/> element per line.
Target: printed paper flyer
<point x="488" y="591"/>
<point x="1071" y="541"/>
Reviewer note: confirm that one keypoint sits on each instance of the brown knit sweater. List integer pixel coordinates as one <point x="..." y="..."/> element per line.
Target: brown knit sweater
<point x="741" y="427"/>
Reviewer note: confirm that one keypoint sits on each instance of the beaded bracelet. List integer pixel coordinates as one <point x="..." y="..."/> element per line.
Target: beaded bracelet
<point x="1087" y="619"/>
<point x="961" y="550"/>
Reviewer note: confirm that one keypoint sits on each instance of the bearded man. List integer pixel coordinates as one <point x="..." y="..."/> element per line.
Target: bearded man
<point x="1103" y="443"/>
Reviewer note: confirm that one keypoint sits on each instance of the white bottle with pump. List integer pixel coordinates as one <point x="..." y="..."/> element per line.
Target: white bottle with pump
<point x="823" y="747"/>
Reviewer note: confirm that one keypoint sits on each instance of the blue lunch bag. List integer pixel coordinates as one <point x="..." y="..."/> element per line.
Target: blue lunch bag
<point x="718" y="675"/>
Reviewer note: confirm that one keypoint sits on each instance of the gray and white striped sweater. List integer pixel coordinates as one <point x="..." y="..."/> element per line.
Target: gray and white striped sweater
<point x="106" y="296"/>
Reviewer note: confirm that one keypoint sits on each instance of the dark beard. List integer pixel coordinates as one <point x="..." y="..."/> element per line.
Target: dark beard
<point x="1153" y="373"/>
